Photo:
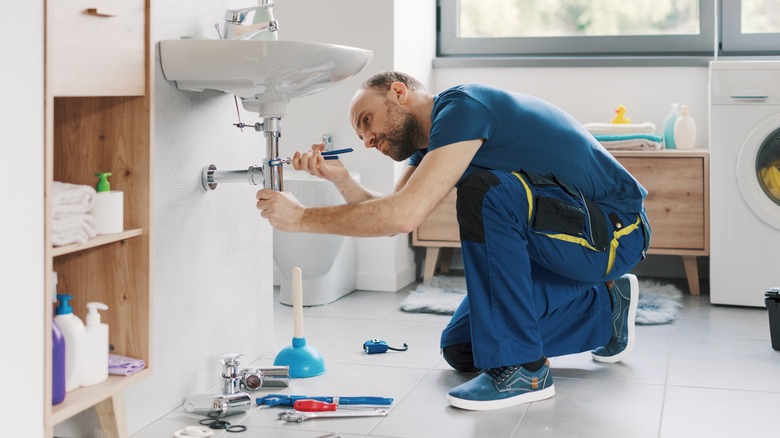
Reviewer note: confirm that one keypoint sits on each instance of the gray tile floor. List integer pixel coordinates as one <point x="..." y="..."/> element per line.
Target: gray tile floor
<point x="712" y="373"/>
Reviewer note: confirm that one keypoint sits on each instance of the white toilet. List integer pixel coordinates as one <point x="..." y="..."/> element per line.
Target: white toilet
<point x="328" y="262"/>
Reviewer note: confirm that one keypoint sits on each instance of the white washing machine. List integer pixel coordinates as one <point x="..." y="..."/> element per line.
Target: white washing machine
<point x="744" y="181"/>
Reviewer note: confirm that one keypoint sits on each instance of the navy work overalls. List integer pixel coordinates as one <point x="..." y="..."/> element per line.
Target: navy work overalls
<point x="536" y="256"/>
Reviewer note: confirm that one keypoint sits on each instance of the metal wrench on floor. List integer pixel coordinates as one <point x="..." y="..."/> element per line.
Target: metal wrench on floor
<point x="297" y="416"/>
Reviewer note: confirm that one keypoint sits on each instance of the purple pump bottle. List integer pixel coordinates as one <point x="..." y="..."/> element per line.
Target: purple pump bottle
<point x="57" y="365"/>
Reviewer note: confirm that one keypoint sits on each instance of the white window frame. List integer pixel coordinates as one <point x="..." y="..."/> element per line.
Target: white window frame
<point x="731" y="40"/>
<point x="734" y="42"/>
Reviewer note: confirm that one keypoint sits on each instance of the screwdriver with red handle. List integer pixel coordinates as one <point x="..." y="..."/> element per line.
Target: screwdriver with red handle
<point x="319" y="406"/>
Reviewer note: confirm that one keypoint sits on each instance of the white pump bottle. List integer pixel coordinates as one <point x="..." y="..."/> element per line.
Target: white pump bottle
<point x="95" y="363"/>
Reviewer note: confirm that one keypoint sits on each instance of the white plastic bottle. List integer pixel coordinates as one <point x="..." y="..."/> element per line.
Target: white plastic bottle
<point x="95" y="366"/>
<point x="109" y="206"/>
<point x="72" y="328"/>
<point x="685" y="130"/>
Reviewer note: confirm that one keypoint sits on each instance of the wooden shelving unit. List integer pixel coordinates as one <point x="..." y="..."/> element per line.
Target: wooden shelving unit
<point x="99" y="118"/>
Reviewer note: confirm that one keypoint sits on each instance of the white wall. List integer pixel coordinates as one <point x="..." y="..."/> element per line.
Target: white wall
<point x="21" y="217"/>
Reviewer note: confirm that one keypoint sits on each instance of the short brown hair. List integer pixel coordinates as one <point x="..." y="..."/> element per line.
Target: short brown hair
<point x="382" y="81"/>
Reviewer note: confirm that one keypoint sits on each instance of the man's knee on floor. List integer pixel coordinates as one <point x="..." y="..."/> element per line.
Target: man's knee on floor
<point x="460" y="357"/>
<point x="471" y="192"/>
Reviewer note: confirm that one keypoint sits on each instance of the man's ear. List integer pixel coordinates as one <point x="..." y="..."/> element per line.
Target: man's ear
<point x="399" y="90"/>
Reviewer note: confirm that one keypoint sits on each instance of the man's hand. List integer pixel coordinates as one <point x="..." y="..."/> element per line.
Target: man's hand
<point x="313" y="162"/>
<point x="282" y="210"/>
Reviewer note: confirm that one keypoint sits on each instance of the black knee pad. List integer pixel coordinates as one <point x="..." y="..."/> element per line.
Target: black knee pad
<point x="471" y="192"/>
<point x="460" y="357"/>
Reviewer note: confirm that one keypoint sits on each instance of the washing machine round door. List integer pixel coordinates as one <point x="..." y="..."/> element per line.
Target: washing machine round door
<point x="758" y="170"/>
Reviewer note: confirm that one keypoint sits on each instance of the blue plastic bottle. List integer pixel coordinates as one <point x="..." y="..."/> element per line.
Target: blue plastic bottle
<point x="73" y="330"/>
<point x="57" y="365"/>
<point x="669" y="127"/>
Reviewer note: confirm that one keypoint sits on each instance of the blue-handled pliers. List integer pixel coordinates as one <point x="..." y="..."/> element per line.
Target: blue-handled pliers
<point x="289" y="400"/>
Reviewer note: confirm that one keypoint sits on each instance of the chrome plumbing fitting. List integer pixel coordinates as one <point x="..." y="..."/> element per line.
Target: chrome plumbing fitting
<point x="234" y="380"/>
<point x="270" y="174"/>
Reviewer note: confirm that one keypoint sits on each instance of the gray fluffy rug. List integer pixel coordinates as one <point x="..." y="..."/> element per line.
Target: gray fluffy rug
<point x="659" y="303"/>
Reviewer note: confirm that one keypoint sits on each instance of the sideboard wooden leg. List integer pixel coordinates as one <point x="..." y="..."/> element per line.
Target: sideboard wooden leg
<point x="445" y="260"/>
<point x="691" y="273"/>
<point x="431" y="257"/>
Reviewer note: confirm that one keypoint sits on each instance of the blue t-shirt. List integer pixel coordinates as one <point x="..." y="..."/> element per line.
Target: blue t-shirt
<point x="522" y="132"/>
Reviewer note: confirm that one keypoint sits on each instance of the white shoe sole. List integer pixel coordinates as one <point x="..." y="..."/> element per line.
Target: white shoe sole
<point x="634" y="284"/>
<point x="474" y="405"/>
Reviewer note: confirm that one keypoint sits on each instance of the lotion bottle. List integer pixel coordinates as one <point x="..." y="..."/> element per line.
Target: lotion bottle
<point x="95" y="365"/>
<point x="669" y="127"/>
<point x="685" y="130"/>
<point x="72" y="328"/>
<point x="109" y="206"/>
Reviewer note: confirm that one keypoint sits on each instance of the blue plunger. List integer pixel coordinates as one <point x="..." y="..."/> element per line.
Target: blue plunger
<point x="303" y="360"/>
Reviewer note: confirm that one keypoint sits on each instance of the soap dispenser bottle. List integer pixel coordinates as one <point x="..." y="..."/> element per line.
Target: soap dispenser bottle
<point x="669" y="127"/>
<point x="95" y="365"/>
<point x="685" y="130"/>
<point x="72" y="328"/>
<point x="108" y="210"/>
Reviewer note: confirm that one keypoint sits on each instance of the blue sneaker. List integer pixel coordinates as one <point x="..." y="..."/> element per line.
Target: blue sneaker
<point x="498" y="388"/>
<point x="625" y="298"/>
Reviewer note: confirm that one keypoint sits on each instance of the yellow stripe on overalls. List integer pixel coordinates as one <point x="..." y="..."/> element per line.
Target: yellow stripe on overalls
<point x="613" y="245"/>
<point x="528" y="195"/>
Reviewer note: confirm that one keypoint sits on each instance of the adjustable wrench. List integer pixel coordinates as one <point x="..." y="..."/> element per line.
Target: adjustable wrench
<point x="297" y="416"/>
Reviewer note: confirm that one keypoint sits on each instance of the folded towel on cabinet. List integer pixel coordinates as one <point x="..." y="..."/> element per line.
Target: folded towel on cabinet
<point x="124" y="366"/>
<point x="73" y="228"/>
<point x="70" y="199"/>
<point x="632" y="144"/>
<point x="620" y="128"/>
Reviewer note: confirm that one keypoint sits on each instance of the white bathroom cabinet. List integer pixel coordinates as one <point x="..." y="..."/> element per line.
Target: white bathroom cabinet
<point x="98" y="117"/>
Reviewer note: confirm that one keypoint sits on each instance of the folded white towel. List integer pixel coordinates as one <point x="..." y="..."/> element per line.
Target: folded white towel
<point x="71" y="198"/>
<point x="620" y="128"/>
<point x="76" y="228"/>
<point x="638" y="144"/>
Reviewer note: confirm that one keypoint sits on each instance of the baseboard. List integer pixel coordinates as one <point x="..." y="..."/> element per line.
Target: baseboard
<point x="387" y="282"/>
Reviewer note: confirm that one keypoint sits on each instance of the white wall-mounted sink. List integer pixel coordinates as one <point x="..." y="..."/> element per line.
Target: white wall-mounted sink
<point x="264" y="74"/>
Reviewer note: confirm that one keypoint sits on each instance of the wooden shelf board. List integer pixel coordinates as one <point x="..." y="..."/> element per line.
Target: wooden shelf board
<point x="86" y="397"/>
<point x="97" y="241"/>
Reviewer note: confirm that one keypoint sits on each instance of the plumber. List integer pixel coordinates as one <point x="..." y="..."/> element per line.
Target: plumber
<point x="550" y="225"/>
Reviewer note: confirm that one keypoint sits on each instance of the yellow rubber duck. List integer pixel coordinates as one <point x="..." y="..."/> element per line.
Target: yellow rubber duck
<point x="621" y="118"/>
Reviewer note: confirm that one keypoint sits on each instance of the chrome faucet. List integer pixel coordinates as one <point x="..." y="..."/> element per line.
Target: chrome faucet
<point x="248" y="23"/>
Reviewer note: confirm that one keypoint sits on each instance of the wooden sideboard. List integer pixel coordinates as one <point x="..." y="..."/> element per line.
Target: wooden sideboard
<point x="677" y="206"/>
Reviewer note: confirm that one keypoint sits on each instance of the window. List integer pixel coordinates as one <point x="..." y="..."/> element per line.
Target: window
<point x="606" y="27"/>
<point x="750" y="26"/>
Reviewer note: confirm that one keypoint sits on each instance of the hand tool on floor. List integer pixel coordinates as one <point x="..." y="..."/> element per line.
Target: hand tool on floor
<point x="375" y="346"/>
<point x="289" y="400"/>
<point x="303" y="360"/>
<point x="320" y="406"/>
<point x="295" y="416"/>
